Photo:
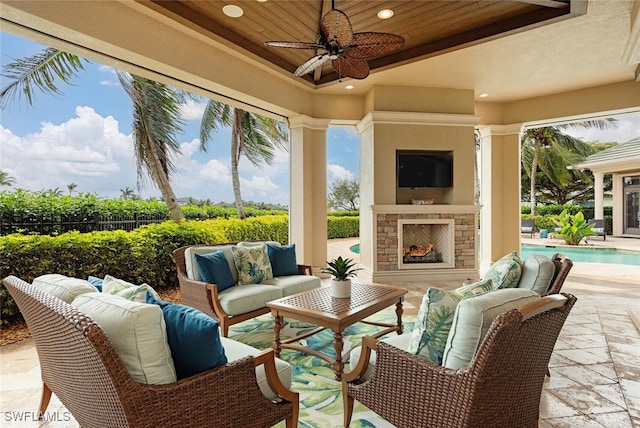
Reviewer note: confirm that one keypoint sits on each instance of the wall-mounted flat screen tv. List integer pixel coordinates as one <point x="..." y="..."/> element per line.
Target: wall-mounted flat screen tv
<point x="424" y="168"/>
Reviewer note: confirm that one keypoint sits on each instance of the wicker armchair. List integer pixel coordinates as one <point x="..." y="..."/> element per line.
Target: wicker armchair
<point x="563" y="266"/>
<point x="80" y="365"/>
<point x="501" y="387"/>
<point x="204" y="297"/>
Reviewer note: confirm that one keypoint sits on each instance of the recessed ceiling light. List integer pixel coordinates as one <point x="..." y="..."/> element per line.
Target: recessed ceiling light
<point x="483" y="95"/>
<point x="349" y="87"/>
<point x="232" y="11"/>
<point x="262" y="1"/>
<point x="385" y="14"/>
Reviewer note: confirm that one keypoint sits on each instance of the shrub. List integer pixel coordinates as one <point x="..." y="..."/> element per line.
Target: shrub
<point x="343" y="227"/>
<point x="142" y="255"/>
<point x="574" y="227"/>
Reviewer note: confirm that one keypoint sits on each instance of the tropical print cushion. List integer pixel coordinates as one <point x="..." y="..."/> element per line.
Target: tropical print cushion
<point x="252" y="263"/>
<point x="505" y="273"/>
<point x="122" y="288"/>
<point x="432" y="326"/>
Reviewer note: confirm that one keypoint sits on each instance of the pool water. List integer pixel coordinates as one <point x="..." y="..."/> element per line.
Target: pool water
<point x="589" y="255"/>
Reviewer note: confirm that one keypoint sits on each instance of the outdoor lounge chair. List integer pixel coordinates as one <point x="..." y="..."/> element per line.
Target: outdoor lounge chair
<point x="527" y="226"/>
<point x="500" y="388"/>
<point x="81" y="366"/>
<point x="599" y="228"/>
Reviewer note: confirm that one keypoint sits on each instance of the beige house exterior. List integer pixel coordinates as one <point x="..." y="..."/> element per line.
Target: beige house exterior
<point x="567" y="70"/>
<point x="623" y="163"/>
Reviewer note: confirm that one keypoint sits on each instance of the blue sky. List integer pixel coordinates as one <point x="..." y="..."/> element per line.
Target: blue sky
<point x="83" y="137"/>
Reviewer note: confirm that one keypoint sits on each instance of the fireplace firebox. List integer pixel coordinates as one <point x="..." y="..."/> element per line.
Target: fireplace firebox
<point x="425" y="243"/>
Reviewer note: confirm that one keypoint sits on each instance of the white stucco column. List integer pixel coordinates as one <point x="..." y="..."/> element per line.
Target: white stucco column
<point x="598" y="192"/>
<point x="308" y="187"/>
<point x="500" y="192"/>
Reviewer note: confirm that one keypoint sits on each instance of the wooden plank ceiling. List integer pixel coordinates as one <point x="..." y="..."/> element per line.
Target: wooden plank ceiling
<point x="429" y="27"/>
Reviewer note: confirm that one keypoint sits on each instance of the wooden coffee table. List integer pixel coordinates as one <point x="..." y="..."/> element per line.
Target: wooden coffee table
<point x="318" y="307"/>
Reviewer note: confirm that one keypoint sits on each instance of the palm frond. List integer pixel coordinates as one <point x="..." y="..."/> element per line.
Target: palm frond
<point x="39" y="73"/>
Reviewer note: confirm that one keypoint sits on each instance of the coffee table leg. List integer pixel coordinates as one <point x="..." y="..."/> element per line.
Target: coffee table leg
<point x="338" y="365"/>
<point x="278" y="323"/>
<point x="399" y="315"/>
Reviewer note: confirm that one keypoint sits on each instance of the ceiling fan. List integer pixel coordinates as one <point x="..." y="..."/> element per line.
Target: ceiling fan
<point x="347" y="51"/>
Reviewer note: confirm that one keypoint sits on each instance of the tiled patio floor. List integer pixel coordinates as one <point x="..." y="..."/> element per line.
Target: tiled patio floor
<point x="595" y="368"/>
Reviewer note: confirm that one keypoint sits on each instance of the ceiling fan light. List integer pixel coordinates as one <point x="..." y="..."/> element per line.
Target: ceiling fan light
<point x="385" y="14"/>
<point x="232" y="11"/>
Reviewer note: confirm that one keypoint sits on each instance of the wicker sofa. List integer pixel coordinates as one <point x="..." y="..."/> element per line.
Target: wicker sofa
<point x="238" y="303"/>
<point x="81" y="365"/>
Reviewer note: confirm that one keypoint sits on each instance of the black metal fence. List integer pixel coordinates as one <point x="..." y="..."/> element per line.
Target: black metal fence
<point x="47" y="224"/>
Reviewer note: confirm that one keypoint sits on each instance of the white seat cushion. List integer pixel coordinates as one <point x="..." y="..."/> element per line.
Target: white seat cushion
<point x="399" y="341"/>
<point x="190" y="264"/>
<point x="137" y="331"/>
<point x="248" y="297"/>
<point x="293" y="284"/>
<point x="537" y="273"/>
<point x="472" y="320"/>
<point x="63" y="287"/>
<point x="235" y="350"/>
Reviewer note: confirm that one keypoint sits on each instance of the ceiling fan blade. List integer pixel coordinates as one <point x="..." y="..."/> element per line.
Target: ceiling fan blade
<point x="371" y="45"/>
<point x="294" y="45"/>
<point x="351" y="67"/>
<point x="335" y="27"/>
<point x="311" y="64"/>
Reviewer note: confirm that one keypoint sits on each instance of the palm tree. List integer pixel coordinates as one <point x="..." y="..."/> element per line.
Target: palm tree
<point x="127" y="193"/>
<point x="71" y="187"/>
<point x="153" y="128"/>
<point x="6" y="179"/>
<point x="252" y="136"/>
<point x="156" y="120"/>
<point x="549" y="150"/>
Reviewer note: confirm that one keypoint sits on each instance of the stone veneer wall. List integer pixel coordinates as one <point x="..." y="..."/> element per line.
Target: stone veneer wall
<point x="387" y="238"/>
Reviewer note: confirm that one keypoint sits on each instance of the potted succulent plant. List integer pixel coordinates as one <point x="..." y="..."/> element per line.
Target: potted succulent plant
<point x="341" y="270"/>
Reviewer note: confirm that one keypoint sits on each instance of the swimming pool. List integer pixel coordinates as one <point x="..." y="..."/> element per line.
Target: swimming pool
<point x="589" y="255"/>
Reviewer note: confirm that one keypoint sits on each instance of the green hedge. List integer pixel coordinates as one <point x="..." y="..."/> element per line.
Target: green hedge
<point x="557" y="209"/>
<point x="142" y="255"/>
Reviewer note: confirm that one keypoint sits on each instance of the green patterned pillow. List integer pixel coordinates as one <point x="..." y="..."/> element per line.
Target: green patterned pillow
<point x="432" y="326"/>
<point x="122" y="288"/>
<point x="505" y="273"/>
<point x="252" y="263"/>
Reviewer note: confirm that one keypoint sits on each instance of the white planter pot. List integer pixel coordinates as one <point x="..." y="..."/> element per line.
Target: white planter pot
<point x="341" y="289"/>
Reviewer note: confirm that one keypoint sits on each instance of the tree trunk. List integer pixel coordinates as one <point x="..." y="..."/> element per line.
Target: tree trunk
<point x="534" y="169"/>
<point x="236" y="143"/>
<point x="162" y="181"/>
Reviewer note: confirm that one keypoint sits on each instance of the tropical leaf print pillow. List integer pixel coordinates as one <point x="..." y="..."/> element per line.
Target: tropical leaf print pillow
<point x="252" y="264"/>
<point x="505" y="273"/>
<point x="435" y="317"/>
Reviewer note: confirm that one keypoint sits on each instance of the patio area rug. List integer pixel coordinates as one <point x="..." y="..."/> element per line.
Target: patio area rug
<point x="313" y="378"/>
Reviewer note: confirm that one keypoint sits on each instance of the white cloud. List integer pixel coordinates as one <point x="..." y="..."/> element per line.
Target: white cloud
<point x="192" y="110"/>
<point x="110" y="83"/>
<point x="91" y="151"/>
<point x="627" y="127"/>
<point x="337" y="172"/>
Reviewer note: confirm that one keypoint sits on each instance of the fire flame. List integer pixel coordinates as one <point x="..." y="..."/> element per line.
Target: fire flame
<point x="417" y="250"/>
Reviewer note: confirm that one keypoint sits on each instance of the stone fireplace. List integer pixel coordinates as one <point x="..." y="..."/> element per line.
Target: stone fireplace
<point x="451" y="229"/>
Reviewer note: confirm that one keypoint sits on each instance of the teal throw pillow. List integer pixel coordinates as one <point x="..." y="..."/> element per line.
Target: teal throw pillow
<point x="214" y="269"/>
<point x="435" y="317"/>
<point x="193" y="337"/>
<point x="505" y="273"/>
<point x="252" y="264"/>
<point x="283" y="259"/>
<point x="95" y="281"/>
